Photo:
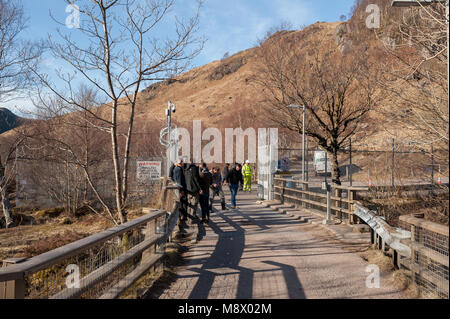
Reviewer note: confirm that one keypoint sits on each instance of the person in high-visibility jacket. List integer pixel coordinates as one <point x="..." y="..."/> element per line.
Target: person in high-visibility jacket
<point x="247" y="174"/>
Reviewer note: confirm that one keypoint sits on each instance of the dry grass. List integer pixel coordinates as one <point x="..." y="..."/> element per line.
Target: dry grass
<point x="435" y="207"/>
<point x="376" y="257"/>
<point x="401" y="279"/>
<point x="39" y="232"/>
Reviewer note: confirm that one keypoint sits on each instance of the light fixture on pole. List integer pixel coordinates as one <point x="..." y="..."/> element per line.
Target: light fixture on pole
<point x="166" y="136"/>
<point x="304" y="176"/>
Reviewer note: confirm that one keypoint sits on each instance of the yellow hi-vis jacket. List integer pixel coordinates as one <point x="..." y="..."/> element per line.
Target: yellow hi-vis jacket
<point x="247" y="170"/>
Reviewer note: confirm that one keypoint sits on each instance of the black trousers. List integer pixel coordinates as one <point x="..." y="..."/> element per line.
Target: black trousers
<point x="204" y="204"/>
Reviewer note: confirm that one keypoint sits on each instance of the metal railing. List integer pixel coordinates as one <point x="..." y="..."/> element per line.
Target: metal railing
<point x="419" y="246"/>
<point x="103" y="265"/>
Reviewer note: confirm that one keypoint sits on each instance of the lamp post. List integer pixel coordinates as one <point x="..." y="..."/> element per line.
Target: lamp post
<point x="167" y="131"/>
<point x="417" y="3"/>
<point x="304" y="176"/>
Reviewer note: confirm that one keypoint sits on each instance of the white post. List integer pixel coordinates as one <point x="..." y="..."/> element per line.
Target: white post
<point x="303" y="146"/>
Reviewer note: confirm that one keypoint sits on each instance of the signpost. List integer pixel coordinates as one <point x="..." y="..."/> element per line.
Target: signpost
<point x="148" y="171"/>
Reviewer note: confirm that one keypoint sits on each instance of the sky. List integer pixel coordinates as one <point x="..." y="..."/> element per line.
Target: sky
<point x="229" y="26"/>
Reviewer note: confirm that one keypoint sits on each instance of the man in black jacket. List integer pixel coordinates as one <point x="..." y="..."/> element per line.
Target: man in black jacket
<point x="205" y="184"/>
<point x="226" y="170"/>
<point x="233" y="179"/>
<point x="193" y="188"/>
<point x="179" y="179"/>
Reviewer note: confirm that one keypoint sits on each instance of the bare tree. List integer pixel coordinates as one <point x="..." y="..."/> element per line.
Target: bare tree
<point x="415" y="75"/>
<point x="335" y="90"/>
<point x="16" y="55"/>
<point x="124" y="51"/>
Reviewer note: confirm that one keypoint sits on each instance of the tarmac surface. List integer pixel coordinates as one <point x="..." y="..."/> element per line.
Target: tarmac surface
<point x="255" y="252"/>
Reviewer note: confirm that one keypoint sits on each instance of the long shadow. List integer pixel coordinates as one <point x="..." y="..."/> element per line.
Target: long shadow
<point x="229" y="250"/>
<point x="294" y="287"/>
<point x="228" y="254"/>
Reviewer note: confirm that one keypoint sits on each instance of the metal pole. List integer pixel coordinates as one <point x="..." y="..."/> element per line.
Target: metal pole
<point x="432" y="164"/>
<point x="393" y="161"/>
<point x="328" y="204"/>
<point x="448" y="54"/>
<point x="351" y="165"/>
<point x="307" y="163"/>
<point x="303" y="146"/>
<point x="326" y="166"/>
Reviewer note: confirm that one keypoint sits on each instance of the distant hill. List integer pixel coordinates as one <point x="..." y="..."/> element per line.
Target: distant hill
<point x="8" y="120"/>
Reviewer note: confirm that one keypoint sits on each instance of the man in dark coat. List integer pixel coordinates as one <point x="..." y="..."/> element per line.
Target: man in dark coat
<point x="193" y="188"/>
<point x="226" y="170"/>
<point x="216" y="188"/>
<point x="233" y="179"/>
<point x="179" y="179"/>
<point x="205" y="184"/>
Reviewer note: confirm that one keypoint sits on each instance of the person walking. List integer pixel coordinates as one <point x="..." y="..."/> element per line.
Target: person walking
<point x="247" y="173"/>
<point x="233" y="179"/>
<point x="216" y="188"/>
<point x="193" y="189"/>
<point x="179" y="179"/>
<point x="226" y="170"/>
<point x="205" y="184"/>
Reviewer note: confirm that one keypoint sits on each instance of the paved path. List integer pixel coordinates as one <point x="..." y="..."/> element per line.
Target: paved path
<point x="255" y="252"/>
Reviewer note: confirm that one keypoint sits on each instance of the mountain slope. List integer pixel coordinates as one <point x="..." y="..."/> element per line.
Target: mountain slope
<point x="8" y="120"/>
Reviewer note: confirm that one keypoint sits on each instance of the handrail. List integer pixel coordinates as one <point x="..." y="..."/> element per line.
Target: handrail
<point x="17" y="273"/>
<point x="437" y="228"/>
<point x="51" y="257"/>
<point x="335" y="186"/>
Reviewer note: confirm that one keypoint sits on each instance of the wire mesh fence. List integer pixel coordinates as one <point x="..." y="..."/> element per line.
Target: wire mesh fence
<point x="430" y="255"/>
<point x="44" y="184"/>
<point x="392" y="164"/>
<point x="103" y="265"/>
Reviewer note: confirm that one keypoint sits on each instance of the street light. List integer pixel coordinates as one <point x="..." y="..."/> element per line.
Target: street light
<point x="304" y="176"/>
<point x="166" y="136"/>
<point x="416" y="3"/>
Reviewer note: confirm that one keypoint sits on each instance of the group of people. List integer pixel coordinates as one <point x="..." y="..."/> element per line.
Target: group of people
<point x="201" y="186"/>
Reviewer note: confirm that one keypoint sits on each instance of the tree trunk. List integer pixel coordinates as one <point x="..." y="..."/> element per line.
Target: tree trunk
<point x="335" y="172"/>
<point x="115" y="155"/>
<point x="6" y="208"/>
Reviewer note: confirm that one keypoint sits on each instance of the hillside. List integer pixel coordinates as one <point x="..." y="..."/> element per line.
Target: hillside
<point x="223" y="93"/>
<point x="8" y="120"/>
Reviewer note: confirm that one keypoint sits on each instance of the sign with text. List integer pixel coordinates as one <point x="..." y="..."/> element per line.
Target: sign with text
<point x="148" y="171"/>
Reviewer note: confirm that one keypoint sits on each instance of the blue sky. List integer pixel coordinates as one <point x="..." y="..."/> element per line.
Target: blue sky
<point x="228" y="25"/>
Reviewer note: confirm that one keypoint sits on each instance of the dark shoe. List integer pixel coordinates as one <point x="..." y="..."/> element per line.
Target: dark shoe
<point x="223" y="206"/>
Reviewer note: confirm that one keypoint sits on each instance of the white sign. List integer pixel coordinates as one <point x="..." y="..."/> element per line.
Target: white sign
<point x="148" y="171"/>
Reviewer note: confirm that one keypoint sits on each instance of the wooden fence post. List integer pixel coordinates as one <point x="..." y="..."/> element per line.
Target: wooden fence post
<point x="351" y="197"/>
<point x="338" y="193"/>
<point x="13" y="289"/>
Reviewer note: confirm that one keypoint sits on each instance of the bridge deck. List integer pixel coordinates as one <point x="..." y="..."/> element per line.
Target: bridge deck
<point x="257" y="253"/>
